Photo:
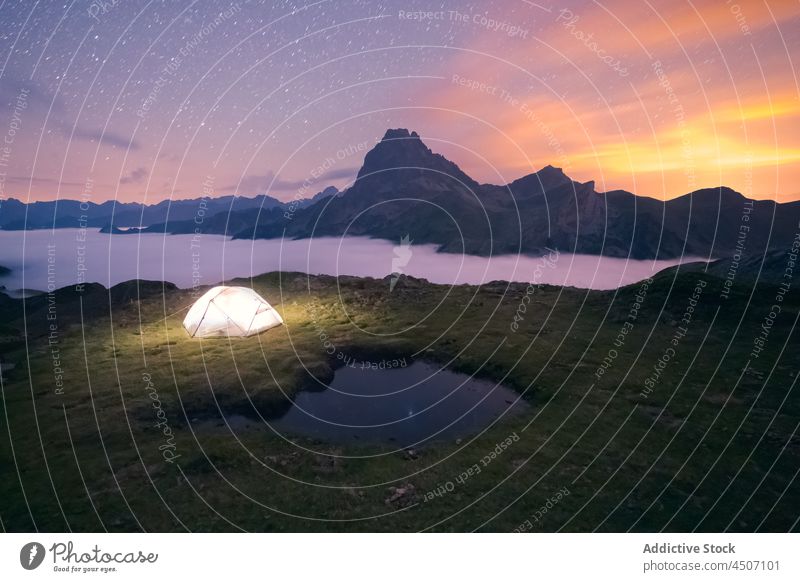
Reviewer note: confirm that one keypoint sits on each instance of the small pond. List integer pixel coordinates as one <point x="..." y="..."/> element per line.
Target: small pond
<point x="404" y="406"/>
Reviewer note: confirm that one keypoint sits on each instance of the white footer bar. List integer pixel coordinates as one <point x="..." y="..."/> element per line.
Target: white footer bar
<point x="400" y="557"/>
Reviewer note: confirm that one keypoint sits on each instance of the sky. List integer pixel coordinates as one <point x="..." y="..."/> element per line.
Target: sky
<point x="146" y="100"/>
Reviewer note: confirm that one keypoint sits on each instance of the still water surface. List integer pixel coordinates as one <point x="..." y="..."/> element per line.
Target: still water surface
<point x="404" y="406"/>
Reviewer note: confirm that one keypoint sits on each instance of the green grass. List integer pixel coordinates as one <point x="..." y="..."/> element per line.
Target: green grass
<point x="710" y="448"/>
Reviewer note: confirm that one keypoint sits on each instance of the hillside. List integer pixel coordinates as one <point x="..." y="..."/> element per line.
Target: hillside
<point x="712" y="445"/>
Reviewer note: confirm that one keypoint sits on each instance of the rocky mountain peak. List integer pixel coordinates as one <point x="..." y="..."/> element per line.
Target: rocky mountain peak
<point x="399" y="133"/>
<point x="404" y="150"/>
<point x="545" y="179"/>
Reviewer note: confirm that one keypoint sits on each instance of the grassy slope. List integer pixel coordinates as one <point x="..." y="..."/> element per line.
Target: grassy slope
<point x="665" y="461"/>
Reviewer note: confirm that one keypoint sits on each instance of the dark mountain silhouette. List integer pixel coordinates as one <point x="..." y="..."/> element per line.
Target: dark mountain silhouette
<point x="404" y="189"/>
<point x="767" y="268"/>
<point x="327" y="192"/>
<point x="111" y="216"/>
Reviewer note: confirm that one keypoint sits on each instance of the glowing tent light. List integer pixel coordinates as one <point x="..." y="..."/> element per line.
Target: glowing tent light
<point x="230" y="312"/>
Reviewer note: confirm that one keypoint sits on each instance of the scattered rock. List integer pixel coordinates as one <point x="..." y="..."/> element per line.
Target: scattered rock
<point x="356" y="493"/>
<point x="402" y="496"/>
<point x="326" y="463"/>
<point x="410" y="454"/>
<point x="281" y="460"/>
<point x="755" y="373"/>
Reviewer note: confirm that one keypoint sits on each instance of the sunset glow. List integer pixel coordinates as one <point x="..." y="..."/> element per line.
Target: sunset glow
<point x="659" y="98"/>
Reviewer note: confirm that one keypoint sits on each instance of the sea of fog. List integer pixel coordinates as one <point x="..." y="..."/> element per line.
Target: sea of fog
<point x="75" y="256"/>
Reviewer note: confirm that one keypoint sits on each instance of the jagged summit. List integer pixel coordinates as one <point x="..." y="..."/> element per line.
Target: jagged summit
<point x="399" y="133"/>
<point x="401" y="148"/>
<point x="326" y="193"/>
<point x="547" y="178"/>
<point x="713" y="196"/>
<point x="403" y="151"/>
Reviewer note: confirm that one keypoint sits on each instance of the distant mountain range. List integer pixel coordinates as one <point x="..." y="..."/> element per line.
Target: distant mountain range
<point x="405" y="190"/>
<point x="113" y="216"/>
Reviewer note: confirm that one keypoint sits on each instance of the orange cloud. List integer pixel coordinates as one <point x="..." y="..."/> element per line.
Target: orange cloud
<point x="716" y="110"/>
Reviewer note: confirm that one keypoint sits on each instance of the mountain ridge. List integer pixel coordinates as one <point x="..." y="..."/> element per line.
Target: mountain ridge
<point x="112" y="215"/>
<point x="404" y="189"/>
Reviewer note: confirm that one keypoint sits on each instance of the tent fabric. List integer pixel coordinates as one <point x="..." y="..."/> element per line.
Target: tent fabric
<point x="230" y="312"/>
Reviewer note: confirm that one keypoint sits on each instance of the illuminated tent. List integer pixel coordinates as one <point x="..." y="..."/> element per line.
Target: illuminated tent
<point x="230" y="312"/>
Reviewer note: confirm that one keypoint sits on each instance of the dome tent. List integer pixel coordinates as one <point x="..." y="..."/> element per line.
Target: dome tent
<point x="230" y="312"/>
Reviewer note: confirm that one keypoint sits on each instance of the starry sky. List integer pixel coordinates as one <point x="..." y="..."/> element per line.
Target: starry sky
<point x="146" y="100"/>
